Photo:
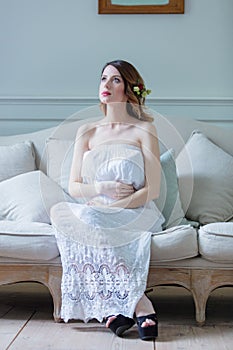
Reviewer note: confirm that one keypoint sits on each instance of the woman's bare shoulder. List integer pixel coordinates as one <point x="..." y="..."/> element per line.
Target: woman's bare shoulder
<point x="87" y="128"/>
<point x="146" y="126"/>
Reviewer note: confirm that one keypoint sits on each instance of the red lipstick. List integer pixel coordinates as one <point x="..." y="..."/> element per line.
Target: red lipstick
<point x="105" y="93"/>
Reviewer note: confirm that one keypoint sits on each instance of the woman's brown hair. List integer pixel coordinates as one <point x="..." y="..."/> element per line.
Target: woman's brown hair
<point x="131" y="78"/>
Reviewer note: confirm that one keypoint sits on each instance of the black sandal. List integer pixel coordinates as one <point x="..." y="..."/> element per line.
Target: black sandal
<point x="120" y="324"/>
<point x="149" y="332"/>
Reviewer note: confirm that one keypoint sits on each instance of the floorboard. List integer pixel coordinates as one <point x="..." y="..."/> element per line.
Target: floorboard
<point x="11" y="324"/>
<point x="26" y="323"/>
<point x="41" y="333"/>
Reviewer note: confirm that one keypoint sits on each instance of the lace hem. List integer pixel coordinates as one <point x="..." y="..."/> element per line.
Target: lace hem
<point x="97" y="282"/>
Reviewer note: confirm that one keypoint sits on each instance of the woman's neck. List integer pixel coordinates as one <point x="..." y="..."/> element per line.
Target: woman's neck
<point x="116" y="112"/>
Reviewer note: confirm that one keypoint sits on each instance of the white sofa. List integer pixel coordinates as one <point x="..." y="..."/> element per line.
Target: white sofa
<point x="196" y="254"/>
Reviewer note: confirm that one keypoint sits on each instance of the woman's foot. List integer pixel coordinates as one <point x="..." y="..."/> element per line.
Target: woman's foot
<point x="109" y="320"/>
<point x="146" y="319"/>
<point x="119" y="324"/>
<point x="148" y="327"/>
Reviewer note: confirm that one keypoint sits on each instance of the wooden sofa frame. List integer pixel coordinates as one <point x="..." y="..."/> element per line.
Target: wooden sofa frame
<point x="200" y="282"/>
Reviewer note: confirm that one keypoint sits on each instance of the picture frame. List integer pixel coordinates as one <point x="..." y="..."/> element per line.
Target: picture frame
<point x="141" y="7"/>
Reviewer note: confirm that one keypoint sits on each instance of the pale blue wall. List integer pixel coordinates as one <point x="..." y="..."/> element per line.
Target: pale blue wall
<point x="52" y="52"/>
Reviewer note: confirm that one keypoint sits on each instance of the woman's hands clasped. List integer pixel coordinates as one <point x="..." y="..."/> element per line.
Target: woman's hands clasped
<point x="114" y="189"/>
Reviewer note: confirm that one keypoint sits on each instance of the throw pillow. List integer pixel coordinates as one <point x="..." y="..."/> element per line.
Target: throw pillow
<point x="29" y="197"/>
<point x="169" y="202"/>
<point x="16" y="159"/>
<point x="211" y="172"/>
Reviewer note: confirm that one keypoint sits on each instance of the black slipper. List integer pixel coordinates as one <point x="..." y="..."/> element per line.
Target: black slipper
<point x="149" y="332"/>
<point x="120" y="324"/>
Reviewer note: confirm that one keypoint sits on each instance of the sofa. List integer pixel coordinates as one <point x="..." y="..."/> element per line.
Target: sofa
<point x="195" y="248"/>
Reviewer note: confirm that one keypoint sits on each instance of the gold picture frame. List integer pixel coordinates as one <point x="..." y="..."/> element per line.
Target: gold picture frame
<point x="117" y="7"/>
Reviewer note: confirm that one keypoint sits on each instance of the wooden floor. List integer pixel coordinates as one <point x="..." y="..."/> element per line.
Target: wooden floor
<point x="26" y="323"/>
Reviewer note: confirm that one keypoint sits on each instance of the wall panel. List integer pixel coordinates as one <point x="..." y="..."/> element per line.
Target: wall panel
<point x="22" y="115"/>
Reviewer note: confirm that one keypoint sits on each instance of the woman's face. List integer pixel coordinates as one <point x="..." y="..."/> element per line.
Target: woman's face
<point x="112" y="87"/>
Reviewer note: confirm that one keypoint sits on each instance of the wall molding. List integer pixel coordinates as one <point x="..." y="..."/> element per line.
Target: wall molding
<point x="29" y="113"/>
<point x="95" y="100"/>
<point x="92" y="101"/>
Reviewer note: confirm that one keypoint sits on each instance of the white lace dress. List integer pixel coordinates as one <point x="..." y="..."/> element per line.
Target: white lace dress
<point x="105" y="251"/>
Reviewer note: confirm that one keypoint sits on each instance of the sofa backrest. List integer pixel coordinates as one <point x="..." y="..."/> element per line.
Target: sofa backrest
<point x="173" y="132"/>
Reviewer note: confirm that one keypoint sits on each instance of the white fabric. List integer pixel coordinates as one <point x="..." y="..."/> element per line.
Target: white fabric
<point x="28" y="197"/>
<point x="216" y="242"/>
<point x="105" y="251"/>
<point x="32" y="241"/>
<point x="211" y="174"/>
<point x="16" y="159"/>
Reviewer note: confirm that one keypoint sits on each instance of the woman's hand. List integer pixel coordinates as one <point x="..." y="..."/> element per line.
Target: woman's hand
<point x="114" y="189"/>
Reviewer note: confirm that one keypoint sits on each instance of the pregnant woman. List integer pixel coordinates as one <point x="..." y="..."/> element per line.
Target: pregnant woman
<point x="104" y="238"/>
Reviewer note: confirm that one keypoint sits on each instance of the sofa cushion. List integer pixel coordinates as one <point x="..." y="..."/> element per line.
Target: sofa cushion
<point x="176" y="243"/>
<point x="216" y="242"/>
<point x="27" y="241"/>
<point x="29" y="197"/>
<point x="16" y="159"/>
<point x="211" y="175"/>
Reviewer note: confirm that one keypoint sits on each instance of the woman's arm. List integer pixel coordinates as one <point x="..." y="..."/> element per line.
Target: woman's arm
<point x="150" y="150"/>
<point x="76" y="188"/>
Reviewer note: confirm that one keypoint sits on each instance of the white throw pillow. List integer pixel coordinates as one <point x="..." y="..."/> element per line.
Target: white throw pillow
<point x="211" y="173"/>
<point x="29" y="197"/>
<point x="16" y="159"/>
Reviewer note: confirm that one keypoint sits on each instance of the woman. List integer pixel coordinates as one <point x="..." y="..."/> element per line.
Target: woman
<point x="105" y="240"/>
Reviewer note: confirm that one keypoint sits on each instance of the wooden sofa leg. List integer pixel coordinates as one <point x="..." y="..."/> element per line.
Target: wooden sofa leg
<point x="200" y="288"/>
<point x="54" y="285"/>
<point x="57" y="309"/>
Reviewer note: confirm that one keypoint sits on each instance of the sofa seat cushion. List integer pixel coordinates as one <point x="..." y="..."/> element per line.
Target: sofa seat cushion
<point x="29" y="241"/>
<point x="216" y="242"/>
<point x="176" y="243"/>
